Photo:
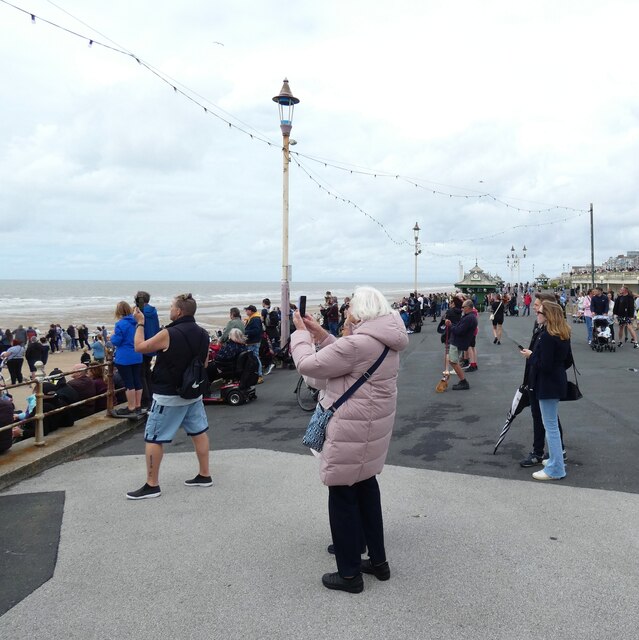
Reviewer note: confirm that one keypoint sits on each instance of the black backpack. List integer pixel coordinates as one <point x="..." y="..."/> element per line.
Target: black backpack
<point x="195" y="379"/>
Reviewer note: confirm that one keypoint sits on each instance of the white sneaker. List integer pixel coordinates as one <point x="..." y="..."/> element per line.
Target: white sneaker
<point x="270" y="368"/>
<point x="542" y="475"/>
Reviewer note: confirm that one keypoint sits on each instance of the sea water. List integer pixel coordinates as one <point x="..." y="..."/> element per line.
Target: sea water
<point x="41" y="302"/>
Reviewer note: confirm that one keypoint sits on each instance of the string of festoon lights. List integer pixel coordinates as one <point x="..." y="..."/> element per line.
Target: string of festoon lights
<point x="428" y="186"/>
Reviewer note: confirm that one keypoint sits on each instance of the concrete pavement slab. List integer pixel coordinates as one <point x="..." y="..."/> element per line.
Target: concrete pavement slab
<point x="471" y="556"/>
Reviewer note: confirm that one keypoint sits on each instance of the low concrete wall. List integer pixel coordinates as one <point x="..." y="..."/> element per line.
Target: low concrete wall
<point x="24" y="459"/>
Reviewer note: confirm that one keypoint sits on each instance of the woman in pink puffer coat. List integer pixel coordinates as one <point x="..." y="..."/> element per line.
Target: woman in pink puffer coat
<point x="359" y="432"/>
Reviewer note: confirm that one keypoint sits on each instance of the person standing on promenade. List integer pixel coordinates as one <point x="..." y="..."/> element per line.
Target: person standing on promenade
<point x="151" y="327"/>
<point x="624" y="310"/>
<point x="253" y="331"/>
<point x="587" y="313"/>
<point x="548" y="364"/>
<point x="599" y="303"/>
<point x="527" y="302"/>
<point x="127" y="361"/>
<point x="271" y="322"/>
<point x="497" y="317"/>
<point x="536" y="456"/>
<point x="176" y="346"/>
<point x="358" y="435"/>
<point x="460" y="338"/>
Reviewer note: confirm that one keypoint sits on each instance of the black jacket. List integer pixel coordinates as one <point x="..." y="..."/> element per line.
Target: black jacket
<point x="599" y="305"/>
<point x="624" y="306"/>
<point x="461" y="334"/>
<point x="548" y="363"/>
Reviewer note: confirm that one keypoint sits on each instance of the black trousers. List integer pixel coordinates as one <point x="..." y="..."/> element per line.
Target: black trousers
<point x="147" y="394"/>
<point x="539" y="433"/>
<point x="15" y="369"/>
<point x="355" y="511"/>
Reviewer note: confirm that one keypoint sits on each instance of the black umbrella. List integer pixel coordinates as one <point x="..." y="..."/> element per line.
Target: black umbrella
<point x="519" y="403"/>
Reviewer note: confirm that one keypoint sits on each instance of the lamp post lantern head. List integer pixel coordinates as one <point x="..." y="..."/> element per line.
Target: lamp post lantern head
<point x="416" y="231"/>
<point x="286" y="102"/>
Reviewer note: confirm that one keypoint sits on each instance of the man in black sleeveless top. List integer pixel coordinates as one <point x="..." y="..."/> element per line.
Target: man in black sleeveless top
<point x="176" y="346"/>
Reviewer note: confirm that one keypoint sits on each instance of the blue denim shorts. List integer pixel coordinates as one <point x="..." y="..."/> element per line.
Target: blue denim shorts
<point x="163" y="422"/>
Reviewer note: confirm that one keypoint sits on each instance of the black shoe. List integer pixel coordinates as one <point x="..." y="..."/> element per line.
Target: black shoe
<point x="462" y="385"/>
<point x="472" y="367"/>
<point x="532" y="460"/>
<point x="199" y="481"/>
<point x="380" y="571"/>
<point x="125" y="413"/>
<point x="498" y="341"/>
<point x="331" y="549"/>
<point x="495" y="341"/>
<point x="144" y="492"/>
<point x="351" y="585"/>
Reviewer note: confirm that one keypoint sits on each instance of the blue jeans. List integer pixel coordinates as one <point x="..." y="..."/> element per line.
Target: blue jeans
<point x="255" y="348"/>
<point x="555" y="466"/>
<point x="588" y="321"/>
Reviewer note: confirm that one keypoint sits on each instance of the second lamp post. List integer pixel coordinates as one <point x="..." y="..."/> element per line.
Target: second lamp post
<point x="418" y="250"/>
<point x="286" y="102"/>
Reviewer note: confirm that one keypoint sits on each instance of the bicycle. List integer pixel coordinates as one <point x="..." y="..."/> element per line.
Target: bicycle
<point x="307" y="396"/>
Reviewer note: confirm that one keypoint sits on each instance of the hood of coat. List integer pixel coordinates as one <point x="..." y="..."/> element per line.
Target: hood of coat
<point x="128" y="320"/>
<point x="388" y="329"/>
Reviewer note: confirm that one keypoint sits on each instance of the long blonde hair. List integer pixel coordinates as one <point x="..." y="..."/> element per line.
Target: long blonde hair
<point x="556" y="324"/>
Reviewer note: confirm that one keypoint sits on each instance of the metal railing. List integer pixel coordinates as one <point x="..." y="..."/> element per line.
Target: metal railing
<point x="41" y="378"/>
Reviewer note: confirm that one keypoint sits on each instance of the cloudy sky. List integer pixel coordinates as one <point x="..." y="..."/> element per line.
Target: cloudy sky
<point x="107" y="172"/>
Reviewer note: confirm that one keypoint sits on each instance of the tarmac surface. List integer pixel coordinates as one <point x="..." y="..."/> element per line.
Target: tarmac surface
<point x="477" y="548"/>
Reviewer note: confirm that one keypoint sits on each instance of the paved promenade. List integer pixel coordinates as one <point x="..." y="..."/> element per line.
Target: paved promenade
<point x="477" y="548"/>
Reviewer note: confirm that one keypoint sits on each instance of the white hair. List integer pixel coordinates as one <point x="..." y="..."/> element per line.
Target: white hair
<point x="368" y="303"/>
<point x="237" y="335"/>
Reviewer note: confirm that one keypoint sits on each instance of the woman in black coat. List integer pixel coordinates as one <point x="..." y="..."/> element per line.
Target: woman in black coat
<point x="548" y="364"/>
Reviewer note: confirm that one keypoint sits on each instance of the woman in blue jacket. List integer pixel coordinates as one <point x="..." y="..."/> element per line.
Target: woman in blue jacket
<point x="548" y="364"/>
<point x="128" y="362"/>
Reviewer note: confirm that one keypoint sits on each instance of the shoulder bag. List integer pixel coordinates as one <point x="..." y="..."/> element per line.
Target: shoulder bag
<point x="492" y="315"/>
<point x="316" y="430"/>
<point x="572" y="389"/>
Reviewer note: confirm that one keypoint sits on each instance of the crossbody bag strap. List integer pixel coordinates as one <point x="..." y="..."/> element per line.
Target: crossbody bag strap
<point x="359" y="382"/>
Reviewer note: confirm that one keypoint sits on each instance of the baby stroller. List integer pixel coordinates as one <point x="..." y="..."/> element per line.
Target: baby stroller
<point x="232" y="382"/>
<point x="602" y="338"/>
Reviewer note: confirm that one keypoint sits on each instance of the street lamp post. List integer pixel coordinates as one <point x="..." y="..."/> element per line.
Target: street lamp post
<point x="286" y="102"/>
<point x="418" y="250"/>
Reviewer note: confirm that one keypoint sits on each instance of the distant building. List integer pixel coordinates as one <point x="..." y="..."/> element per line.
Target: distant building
<point x="477" y="281"/>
